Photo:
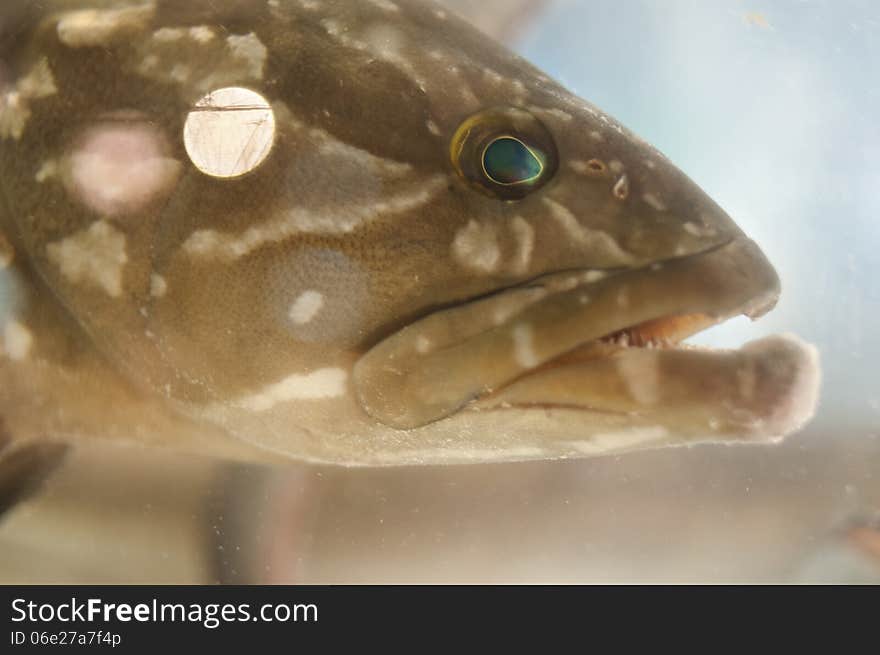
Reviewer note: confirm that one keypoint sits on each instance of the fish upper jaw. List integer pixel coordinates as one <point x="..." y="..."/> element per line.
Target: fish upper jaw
<point x="466" y="357"/>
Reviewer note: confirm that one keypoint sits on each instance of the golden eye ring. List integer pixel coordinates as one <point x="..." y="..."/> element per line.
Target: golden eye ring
<point x="504" y="152"/>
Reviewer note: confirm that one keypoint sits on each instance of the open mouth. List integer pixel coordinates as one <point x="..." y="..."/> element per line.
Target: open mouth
<point x="601" y="343"/>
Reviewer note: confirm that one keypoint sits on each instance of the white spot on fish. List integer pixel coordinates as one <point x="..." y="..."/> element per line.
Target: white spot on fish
<point x="620" y="440"/>
<point x="567" y="220"/>
<point x="332" y="147"/>
<point x="293" y="289"/>
<point x="654" y="201"/>
<point x="520" y="92"/>
<point x="523" y="346"/>
<point x="512" y="303"/>
<point x="300" y="220"/>
<point x="698" y="230"/>
<point x="332" y="27"/>
<point x="594" y="276"/>
<point x="196" y="60"/>
<point x="641" y="374"/>
<point x="230" y="132"/>
<point x="306" y="307"/>
<point x="250" y="50"/>
<point x="17" y="340"/>
<point x="201" y="33"/>
<point x="180" y="73"/>
<point x="525" y="238"/>
<point x="385" y="5"/>
<point x="566" y="284"/>
<point x="120" y="167"/>
<point x="468" y="96"/>
<point x="493" y="77"/>
<point x="158" y="285"/>
<point x="579" y="166"/>
<point x="95" y="255"/>
<point x="423" y="344"/>
<point x="558" y="114"/>
<point x="581" y="234"/>
<point x="319" y="384"/>
<point x="595" y="135"/>
<point x="167" y="34"/>
<point x="48" y="170"/>
<point x="475" y="247"/>
<point x="97" y="27"/>
<point x="15" y="102"/>
<point x="616" y="166"/>
<point x="205" y="242"/>
<point x="6" y="253"/>
<point x="383" y="42"/>
<point x="433" y="128"/>
<point x="149" y="62"/>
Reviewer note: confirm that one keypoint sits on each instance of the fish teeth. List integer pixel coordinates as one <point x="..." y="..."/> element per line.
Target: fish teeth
<point x="626" y="339"/>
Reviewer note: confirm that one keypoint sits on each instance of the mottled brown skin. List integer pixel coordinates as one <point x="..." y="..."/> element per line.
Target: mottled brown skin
<point x="366" y="96"/>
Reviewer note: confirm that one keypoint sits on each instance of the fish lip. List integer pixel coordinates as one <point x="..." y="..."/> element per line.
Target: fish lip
<point x="406" y="386"/>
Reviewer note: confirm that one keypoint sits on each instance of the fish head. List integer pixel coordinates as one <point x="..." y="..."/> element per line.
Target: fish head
<point x="364" y="233"/>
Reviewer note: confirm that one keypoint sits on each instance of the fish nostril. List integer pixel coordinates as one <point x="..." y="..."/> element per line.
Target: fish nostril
<point x="591" y="168"/>
<point x="621" y="188"/>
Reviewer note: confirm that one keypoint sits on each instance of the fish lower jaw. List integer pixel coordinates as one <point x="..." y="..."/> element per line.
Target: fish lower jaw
<point x="762" y="391"/>
<point x="650" y="379"/>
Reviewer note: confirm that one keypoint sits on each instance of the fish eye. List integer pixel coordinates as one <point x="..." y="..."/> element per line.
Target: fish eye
<point x="507" y="161"/>
<point x="504" y="152"/>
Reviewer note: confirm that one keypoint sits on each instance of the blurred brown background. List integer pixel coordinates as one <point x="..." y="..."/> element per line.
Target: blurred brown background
<point x="791" y="513"/>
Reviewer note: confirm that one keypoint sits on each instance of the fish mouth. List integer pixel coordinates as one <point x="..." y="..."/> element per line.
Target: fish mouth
<point x="603" y="343"/>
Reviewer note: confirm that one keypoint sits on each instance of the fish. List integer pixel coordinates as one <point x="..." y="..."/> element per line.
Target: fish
<point x="354" y="233"/>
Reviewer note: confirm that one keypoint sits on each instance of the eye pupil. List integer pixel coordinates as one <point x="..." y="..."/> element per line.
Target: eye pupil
<point x="508" y="161"/>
